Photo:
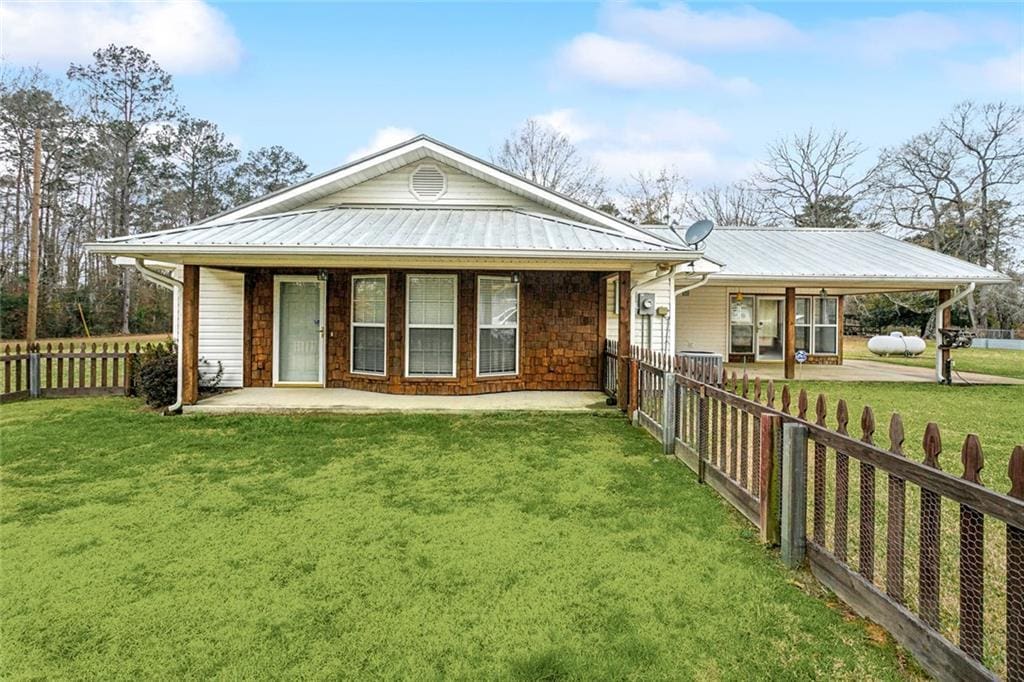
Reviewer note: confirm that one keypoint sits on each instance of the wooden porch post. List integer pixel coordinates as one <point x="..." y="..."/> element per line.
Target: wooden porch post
<point x="946" y="321"/>
<point x="190" y="335"/>
<point x="602" y="329"/>
<point x="790" y="342"/>
<point x="625" y="319"/>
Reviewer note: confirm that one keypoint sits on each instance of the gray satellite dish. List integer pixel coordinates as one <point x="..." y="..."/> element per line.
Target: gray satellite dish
<point x="698" y="232"/>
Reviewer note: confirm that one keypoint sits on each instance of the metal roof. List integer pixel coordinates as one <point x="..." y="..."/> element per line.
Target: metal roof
<point x="390" y="229"/>
<point x="775" y="253"/>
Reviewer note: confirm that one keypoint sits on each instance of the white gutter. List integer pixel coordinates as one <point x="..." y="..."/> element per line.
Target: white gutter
<point x="940" y="375"/>
<point x="671" y="271"/>
<point x="179" y="288"/>
<point x="699" y="283"/>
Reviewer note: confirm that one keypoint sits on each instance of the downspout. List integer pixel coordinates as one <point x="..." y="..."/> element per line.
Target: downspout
<point x="940" y="375"/>
<point x="179" y="288"/>
<point x="699" y="283"/>
<point x="671" y="272"/>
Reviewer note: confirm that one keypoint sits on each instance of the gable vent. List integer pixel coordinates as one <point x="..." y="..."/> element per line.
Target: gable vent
<point x="428" y="183"/>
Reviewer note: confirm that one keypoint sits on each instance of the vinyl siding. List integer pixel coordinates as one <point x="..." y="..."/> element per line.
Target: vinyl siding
<point x="662" y="338"/>
<point x="701" y="320"/>
<point x="221" y="309"/>
<point x="393" y="188"/>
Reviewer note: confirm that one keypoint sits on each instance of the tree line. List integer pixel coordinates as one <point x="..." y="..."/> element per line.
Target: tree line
<point x="956" y="188"/>
<point x="122" y="156"/>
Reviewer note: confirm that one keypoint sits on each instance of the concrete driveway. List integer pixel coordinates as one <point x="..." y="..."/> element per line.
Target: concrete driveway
<point x="865" y="370"/>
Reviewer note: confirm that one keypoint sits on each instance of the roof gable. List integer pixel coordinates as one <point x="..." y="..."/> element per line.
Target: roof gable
<point x="419" y="148"/>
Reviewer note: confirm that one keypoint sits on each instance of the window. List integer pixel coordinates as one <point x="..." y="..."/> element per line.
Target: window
<point x="497" y="319"/>
<point x="369" y="323"/>
<point x="611" y="290"/>
<point x="741" y="324"/>
<point x="826" y="328"/>
<point x="803" y="324"/>
<point x="430" y="325"/>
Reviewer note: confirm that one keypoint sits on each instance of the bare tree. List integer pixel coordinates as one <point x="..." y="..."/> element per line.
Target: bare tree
<point x="813" y="179"/>
<point x="735" y="204"/>
<point x="660" y="198"/>
<point x="540" y="153"/>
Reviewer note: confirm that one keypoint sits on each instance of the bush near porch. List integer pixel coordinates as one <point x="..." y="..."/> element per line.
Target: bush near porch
<point x="494" y="546"/>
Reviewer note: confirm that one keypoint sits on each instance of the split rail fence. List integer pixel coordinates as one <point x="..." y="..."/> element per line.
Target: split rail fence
<point x="35" y="371"/>
<point x="935" y="557"/>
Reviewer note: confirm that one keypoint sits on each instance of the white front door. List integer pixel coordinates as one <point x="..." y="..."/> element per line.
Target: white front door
<point x="299" y="312"/>
<point x="770" y="337"/>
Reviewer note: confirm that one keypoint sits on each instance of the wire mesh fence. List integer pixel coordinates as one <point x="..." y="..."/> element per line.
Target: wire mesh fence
<point x="935" y="557"/>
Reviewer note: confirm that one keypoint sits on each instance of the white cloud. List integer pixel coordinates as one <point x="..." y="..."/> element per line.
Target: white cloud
<point x="635" y="66"/>
<point x="649" y="140"/>
<point x="568" y="123"/>
<point x="678" y="26"/>
<point x="382" y="139"/>
<point x="882" y="39"/>
<point x="183" y="37"/>
<point x="1002" y="74"/>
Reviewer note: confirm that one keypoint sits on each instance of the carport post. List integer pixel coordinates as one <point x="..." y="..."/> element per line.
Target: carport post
<point x="790" y="338"/>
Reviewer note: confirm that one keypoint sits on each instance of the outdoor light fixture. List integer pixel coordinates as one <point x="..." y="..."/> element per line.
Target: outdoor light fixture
<point x="823" y="293"/>
<point x="515" y="278"/>
<point x="322" y="275"/>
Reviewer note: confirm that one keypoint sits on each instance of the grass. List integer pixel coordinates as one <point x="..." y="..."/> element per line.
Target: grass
<point x="1003" y="363"/>
<point x="992" y="412"/>
<point x="535" y="547"/>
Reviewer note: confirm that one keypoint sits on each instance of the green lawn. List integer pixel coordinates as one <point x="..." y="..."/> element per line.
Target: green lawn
<point x="1004" y="363"/>
<point x="994" y="413"/>
<point x="398" y="546"/>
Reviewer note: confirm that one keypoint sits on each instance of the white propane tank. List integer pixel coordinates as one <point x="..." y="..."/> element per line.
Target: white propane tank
<point x="896" y="344"/>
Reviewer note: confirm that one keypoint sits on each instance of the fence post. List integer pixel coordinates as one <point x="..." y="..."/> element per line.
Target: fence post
<point x="702" y="432"/>
<point x="33" y="371"/>
<point x="668" y="428"/>
<point x="771" y="490"/>
<point x="794" y="494"/>
<point x="633" y="399"/>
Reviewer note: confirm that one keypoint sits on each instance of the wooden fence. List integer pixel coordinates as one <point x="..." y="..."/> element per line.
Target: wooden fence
<point x="610" y="361"/>
<point x="35" y="371"/>
<point x="934" y="557"/>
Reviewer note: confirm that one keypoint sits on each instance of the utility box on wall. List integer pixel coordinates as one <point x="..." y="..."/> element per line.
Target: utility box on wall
<point x="645" y="304"/>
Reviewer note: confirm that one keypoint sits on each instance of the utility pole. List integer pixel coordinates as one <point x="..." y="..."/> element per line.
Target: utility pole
<point x="33" y="242"/>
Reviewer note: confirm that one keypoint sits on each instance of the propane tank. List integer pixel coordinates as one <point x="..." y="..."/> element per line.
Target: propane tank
<point x="896" y="344"/>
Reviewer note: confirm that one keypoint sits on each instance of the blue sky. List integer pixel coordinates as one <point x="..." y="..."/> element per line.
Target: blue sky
<point x="699" y="86"/>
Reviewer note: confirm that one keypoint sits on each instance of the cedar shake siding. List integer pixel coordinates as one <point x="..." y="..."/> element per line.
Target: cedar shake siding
<point x="559" y="333"/>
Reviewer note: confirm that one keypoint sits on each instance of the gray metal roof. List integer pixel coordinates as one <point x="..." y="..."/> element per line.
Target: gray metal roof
<point x="359" y="228"/>
<point x="828" y="253"/>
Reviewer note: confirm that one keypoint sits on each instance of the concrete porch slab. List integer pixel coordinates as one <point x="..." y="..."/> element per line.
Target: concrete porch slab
<point x="865" y="370"/>
<point x="348" y="400"/>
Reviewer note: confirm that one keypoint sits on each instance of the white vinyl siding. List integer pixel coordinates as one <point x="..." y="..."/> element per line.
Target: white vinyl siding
<point x="611" y="328"/>
<point x="221" y="313"/>
<point x="702" y="322"/>
<point x="431" y="313"/>
<point x="461" y="189"/>
<point x="662" y="338"/>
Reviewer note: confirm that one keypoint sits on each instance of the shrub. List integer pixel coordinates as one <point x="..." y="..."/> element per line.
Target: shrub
<point x="158" y="375"/>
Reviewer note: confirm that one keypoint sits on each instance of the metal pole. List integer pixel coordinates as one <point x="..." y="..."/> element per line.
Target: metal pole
<point x="794" y="494"/>
<point x="33" y="242"/>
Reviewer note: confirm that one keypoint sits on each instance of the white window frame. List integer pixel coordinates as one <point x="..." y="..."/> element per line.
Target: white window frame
<point x="816" y="325"/>
<point x="752" y="325"/>
<point x="353" y="324"/>
<point x="276" y="363"/>
<point x="454" y="327"/>
<point x="481" y="327"/>
<point x="809" y="324"/>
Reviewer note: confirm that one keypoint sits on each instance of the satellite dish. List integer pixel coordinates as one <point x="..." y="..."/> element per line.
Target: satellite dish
<point x="698" y="232"/>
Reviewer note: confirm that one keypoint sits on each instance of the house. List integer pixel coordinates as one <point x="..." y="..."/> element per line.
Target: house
<point x="424" y="270"/>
